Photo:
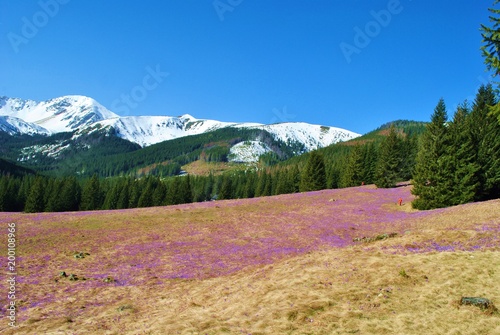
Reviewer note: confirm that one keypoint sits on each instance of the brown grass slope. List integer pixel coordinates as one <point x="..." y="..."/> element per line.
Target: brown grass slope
<point x="409" y="284"/>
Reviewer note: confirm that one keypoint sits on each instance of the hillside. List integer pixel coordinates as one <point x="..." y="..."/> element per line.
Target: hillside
<point x="59" y="135"/>
<point x="289" y="264"/>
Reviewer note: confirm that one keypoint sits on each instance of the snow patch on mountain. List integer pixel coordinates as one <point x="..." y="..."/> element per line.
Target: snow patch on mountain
<point x="16" y="126"/>
<point x="312" y="136"/>
<point x="83" y="115"/>
<point x="57" y="115"/>
<point x="248" y="151"/>
<point x="148" y="130"/>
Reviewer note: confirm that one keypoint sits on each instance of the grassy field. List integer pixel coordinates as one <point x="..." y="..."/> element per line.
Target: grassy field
<point x="309" y="263"/>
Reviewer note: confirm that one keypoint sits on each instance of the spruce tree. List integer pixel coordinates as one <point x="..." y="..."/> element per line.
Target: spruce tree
<point x="124" y="197"/>
<point x="370" y="163"/>
<point x="70" y="194"/>
<point x="389" y="160"/>
<point x="430" y="178"/>
<point x="261" y="184"/>
<point x="185" y="192"/>
<point x="92" y="195"/>
<point x="352" y="172"/>
<point x="485" y="133"/>
<point x="226" y="191"/>
<point x="464" y="165"/>
<point x="159" y="194"/>
<point x="313" y="176"/>
<point x="35" y="201"/>
<point x="146" y="198"/>
<point x="491" y="49"/>
<point x="111" y="199"/>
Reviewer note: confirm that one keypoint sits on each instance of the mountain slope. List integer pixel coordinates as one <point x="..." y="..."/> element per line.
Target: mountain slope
<point x="70" y="113"/>
<point x="56" y="115"/>
<point x="16" y="126"/>
<point x="65" y="132"/>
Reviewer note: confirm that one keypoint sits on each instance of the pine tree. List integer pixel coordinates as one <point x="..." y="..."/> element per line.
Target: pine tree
<point x="226" y="191"/>
<point x="111" y="199"/>
<point x="250" y="184"/>
<point x="464" y="165"/>
<point x="491" y="49"/>
<point x="135" y="190"/>
<point x="352" y="174"/>
<point x="124" y="197"/>
<point x="313" y="176"/>
<point x="408" y="155"/>
<point x="389" y="161"/>
<point x="261" y="184"/>
<point x="485" y="133"/>
<point x="185" y="192"/>
<point x="92" y="195"/>
<point x="70" y="194"/>
<point x="370" y="163"/>
<point x="430" y="179"/>
<point x="35" y="201"/>
<point x="491" y="41"/>
<point x="159" y="194"/>
<point x="146" y="198"/>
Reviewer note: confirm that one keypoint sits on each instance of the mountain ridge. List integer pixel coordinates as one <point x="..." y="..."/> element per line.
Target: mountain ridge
<point x="82" y="114"/>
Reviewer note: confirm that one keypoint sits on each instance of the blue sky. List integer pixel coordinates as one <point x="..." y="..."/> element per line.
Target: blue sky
<point x="352" y="64"/>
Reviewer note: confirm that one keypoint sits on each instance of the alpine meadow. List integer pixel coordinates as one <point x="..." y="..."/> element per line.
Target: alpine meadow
<point x="368" y="204"/>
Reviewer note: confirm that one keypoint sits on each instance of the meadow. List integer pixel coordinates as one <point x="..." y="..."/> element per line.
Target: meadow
<point x="345" y="261"/>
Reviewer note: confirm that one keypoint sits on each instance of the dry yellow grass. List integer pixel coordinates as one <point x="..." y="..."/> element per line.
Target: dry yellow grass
<point x="371" y="288"/>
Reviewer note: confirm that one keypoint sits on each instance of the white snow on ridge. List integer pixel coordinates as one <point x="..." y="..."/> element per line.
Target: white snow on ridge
<point x="148" y="130"/>
<point x="56" y="115"/>
<point x="248" y="151"/>
<point x="15" y="126"/>
<point x="312" y="136"/>
<point x="69" y="113"/>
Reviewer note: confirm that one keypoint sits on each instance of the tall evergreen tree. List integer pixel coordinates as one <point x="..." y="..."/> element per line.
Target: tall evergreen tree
<point x="35" y="201"/>
<point x="92" y="195"/>
<point x="491" y="48"/>
<point x="389" y="161"/>
<point x="226" y="189"/>
<point x="370" y="163"/>
<point x="70" y="194"/>
<point x="464" y="166"/>
<point x="313" y="176"/>
<point x="111" y="198"/>
<point x="352" y="174"/>
<point x="159" y="194"/>
<point x="431" y="176"/>
<point x="124" y="197"/>
<point x="146" y="198"/>
<point x="485" y="133"/>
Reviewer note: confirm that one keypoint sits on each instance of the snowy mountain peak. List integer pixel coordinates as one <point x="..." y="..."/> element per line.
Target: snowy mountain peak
<point x="15" y="126"/>
<point x="61" y="114"/>
<point x="84" y="115"/>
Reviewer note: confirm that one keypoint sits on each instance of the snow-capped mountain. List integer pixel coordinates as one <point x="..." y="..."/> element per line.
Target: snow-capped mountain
<point x="57" y="115"/>
<point x="15" y="126"/>
<point x="147" y="130"/>
<point x="85" y="115"/>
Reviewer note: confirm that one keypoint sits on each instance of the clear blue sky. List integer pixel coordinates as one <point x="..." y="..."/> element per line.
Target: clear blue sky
<point x="251" y="60"/>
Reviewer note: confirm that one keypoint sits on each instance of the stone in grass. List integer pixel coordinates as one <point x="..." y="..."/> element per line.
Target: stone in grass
<point x="62" y="274"/>
<point x="375" y="238"/>
<point x="124" y="308"/>
<point x="483" y="303"/>
<point x="81" y="254"/>
<point x="74" y="277"/>
<point x="109" y="280"/>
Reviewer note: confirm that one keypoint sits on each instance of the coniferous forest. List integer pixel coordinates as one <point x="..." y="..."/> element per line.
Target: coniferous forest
<point x="453" y="159"/>
<point x="450" y="161"/>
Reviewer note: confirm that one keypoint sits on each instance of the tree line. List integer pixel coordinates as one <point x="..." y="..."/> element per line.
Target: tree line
<point x="450" y="162"/>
